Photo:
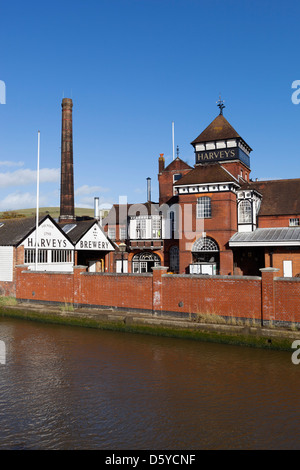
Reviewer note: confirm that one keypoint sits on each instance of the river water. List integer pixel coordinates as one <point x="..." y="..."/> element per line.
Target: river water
<point x="74" y="388"/>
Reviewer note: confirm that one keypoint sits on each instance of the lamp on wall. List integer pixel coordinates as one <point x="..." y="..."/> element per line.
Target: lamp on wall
<point x="122" y="248"/>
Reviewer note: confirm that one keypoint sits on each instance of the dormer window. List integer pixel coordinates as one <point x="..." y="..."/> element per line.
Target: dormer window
<point x="176" y="177"/>
<point x="245" y="212"/>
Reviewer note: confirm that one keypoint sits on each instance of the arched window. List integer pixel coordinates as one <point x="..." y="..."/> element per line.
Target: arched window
<point x="245" y="212"/>
<point x="205" y="244"/>
<point x="144" y="261"/>
<point x="203" y="207"/>
<point x="205" y="251"/>
<point x="174" y="259"/>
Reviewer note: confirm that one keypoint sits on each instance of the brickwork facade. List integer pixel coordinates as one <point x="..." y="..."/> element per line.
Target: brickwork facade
<point x="266" y="298"/>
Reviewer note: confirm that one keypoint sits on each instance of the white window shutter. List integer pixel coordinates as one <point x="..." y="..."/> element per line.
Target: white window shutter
<point x="132" y="229"/>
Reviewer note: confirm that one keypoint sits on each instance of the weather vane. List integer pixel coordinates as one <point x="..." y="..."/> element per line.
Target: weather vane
<point x="221" y="104"/>
<point x="177" y="152"/>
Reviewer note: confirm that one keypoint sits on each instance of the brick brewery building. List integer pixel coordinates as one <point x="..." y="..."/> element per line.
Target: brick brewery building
<point x="210" y="218"/>
<point x="212" y="225"/>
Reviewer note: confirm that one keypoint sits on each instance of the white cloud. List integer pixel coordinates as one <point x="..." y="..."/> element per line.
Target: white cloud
<point x="85" y="190"/>
<point x="19" y="200"/>
<point x="25" y="176"/>
<point x="87" y="202"/>
<point x="10" y="163"/>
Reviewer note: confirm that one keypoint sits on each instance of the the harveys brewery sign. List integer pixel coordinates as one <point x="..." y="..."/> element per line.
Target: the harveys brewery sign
<point x="49" y="237"/>
<point x="94" y="239"/>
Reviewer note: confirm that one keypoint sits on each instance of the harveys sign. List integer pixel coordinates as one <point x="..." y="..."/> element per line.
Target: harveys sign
<point x="216" y="155"/>
<point x="49" y="237"/>
<point x="94" y="239"/>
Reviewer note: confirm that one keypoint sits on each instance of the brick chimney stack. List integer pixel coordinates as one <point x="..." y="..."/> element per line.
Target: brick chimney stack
<point x="161" y="163"/>
<point x="67" y="212"/>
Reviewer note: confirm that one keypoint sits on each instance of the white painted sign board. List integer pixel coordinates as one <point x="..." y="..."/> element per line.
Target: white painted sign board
<point x="94" y="239"/>
<point x="49" y="237"/>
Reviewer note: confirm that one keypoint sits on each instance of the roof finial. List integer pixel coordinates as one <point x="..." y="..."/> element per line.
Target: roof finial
<point x="177" y="152"/>
<point x="221" y="104"/>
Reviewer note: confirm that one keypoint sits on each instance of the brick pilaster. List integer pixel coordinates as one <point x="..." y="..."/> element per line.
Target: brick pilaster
<point x="157" y="288"/>
<point x="77" y="293"/>
<point x="268" y="294"/>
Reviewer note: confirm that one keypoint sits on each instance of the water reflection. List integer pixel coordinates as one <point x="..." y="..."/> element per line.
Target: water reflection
<point x="73" y="388"/>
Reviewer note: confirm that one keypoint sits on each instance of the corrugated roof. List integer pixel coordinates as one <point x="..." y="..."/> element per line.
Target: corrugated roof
<point x="267" y="236"/>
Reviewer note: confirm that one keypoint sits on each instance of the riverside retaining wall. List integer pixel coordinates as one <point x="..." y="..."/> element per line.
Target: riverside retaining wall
<point x="264" y="299"/>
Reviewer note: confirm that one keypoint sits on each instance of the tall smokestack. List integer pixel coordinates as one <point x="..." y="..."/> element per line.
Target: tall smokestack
<point x="67" y="212"/>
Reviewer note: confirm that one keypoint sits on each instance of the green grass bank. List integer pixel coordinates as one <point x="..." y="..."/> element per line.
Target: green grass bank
<point x="241" y="336"/>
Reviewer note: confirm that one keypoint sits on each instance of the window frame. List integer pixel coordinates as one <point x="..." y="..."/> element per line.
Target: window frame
<point x="294" y="222"/>
<point x="203" y="208"/>
<point x="245" y="212"/>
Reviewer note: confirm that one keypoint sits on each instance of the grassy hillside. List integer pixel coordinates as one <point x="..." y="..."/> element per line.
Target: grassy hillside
<point x="53" y="211"/>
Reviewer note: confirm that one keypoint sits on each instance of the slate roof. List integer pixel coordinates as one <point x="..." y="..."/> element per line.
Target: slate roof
<point x="178" y="164"/>
<point x="14" y="231"/>
<point x="207" y="173"/>
<point x="279" y="197"/>
<point x="79" y="229"/>
<point x="267" y="236"/>
<point x="218" y="129"/>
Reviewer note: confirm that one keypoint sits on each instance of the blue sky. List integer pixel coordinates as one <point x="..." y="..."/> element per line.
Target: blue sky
<point x="132" y="67"/>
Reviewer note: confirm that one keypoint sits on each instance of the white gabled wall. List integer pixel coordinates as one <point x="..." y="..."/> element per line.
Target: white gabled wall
<point x="6" y="263"/>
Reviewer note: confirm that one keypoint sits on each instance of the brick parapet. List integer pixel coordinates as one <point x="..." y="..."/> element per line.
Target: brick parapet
<point x="268" y="294"/>
<point x="263" y="299"/>
<point x="157" y="288"/>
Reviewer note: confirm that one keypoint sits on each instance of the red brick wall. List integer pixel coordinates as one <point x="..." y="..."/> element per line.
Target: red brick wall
<point x="8" y="289"/>
<point x="165" y="178"/>
<point x="220" y="226"/>
<point x="265" y="221"/>
<point x="268" y="297"/>
<point x="279" y="255"/>
<point x="287" y="300"/>
<point x="54" y="287"/>
<point x="237" y="169"/>
<point x="227" y="296"/>
<point x="126" y="291"/>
